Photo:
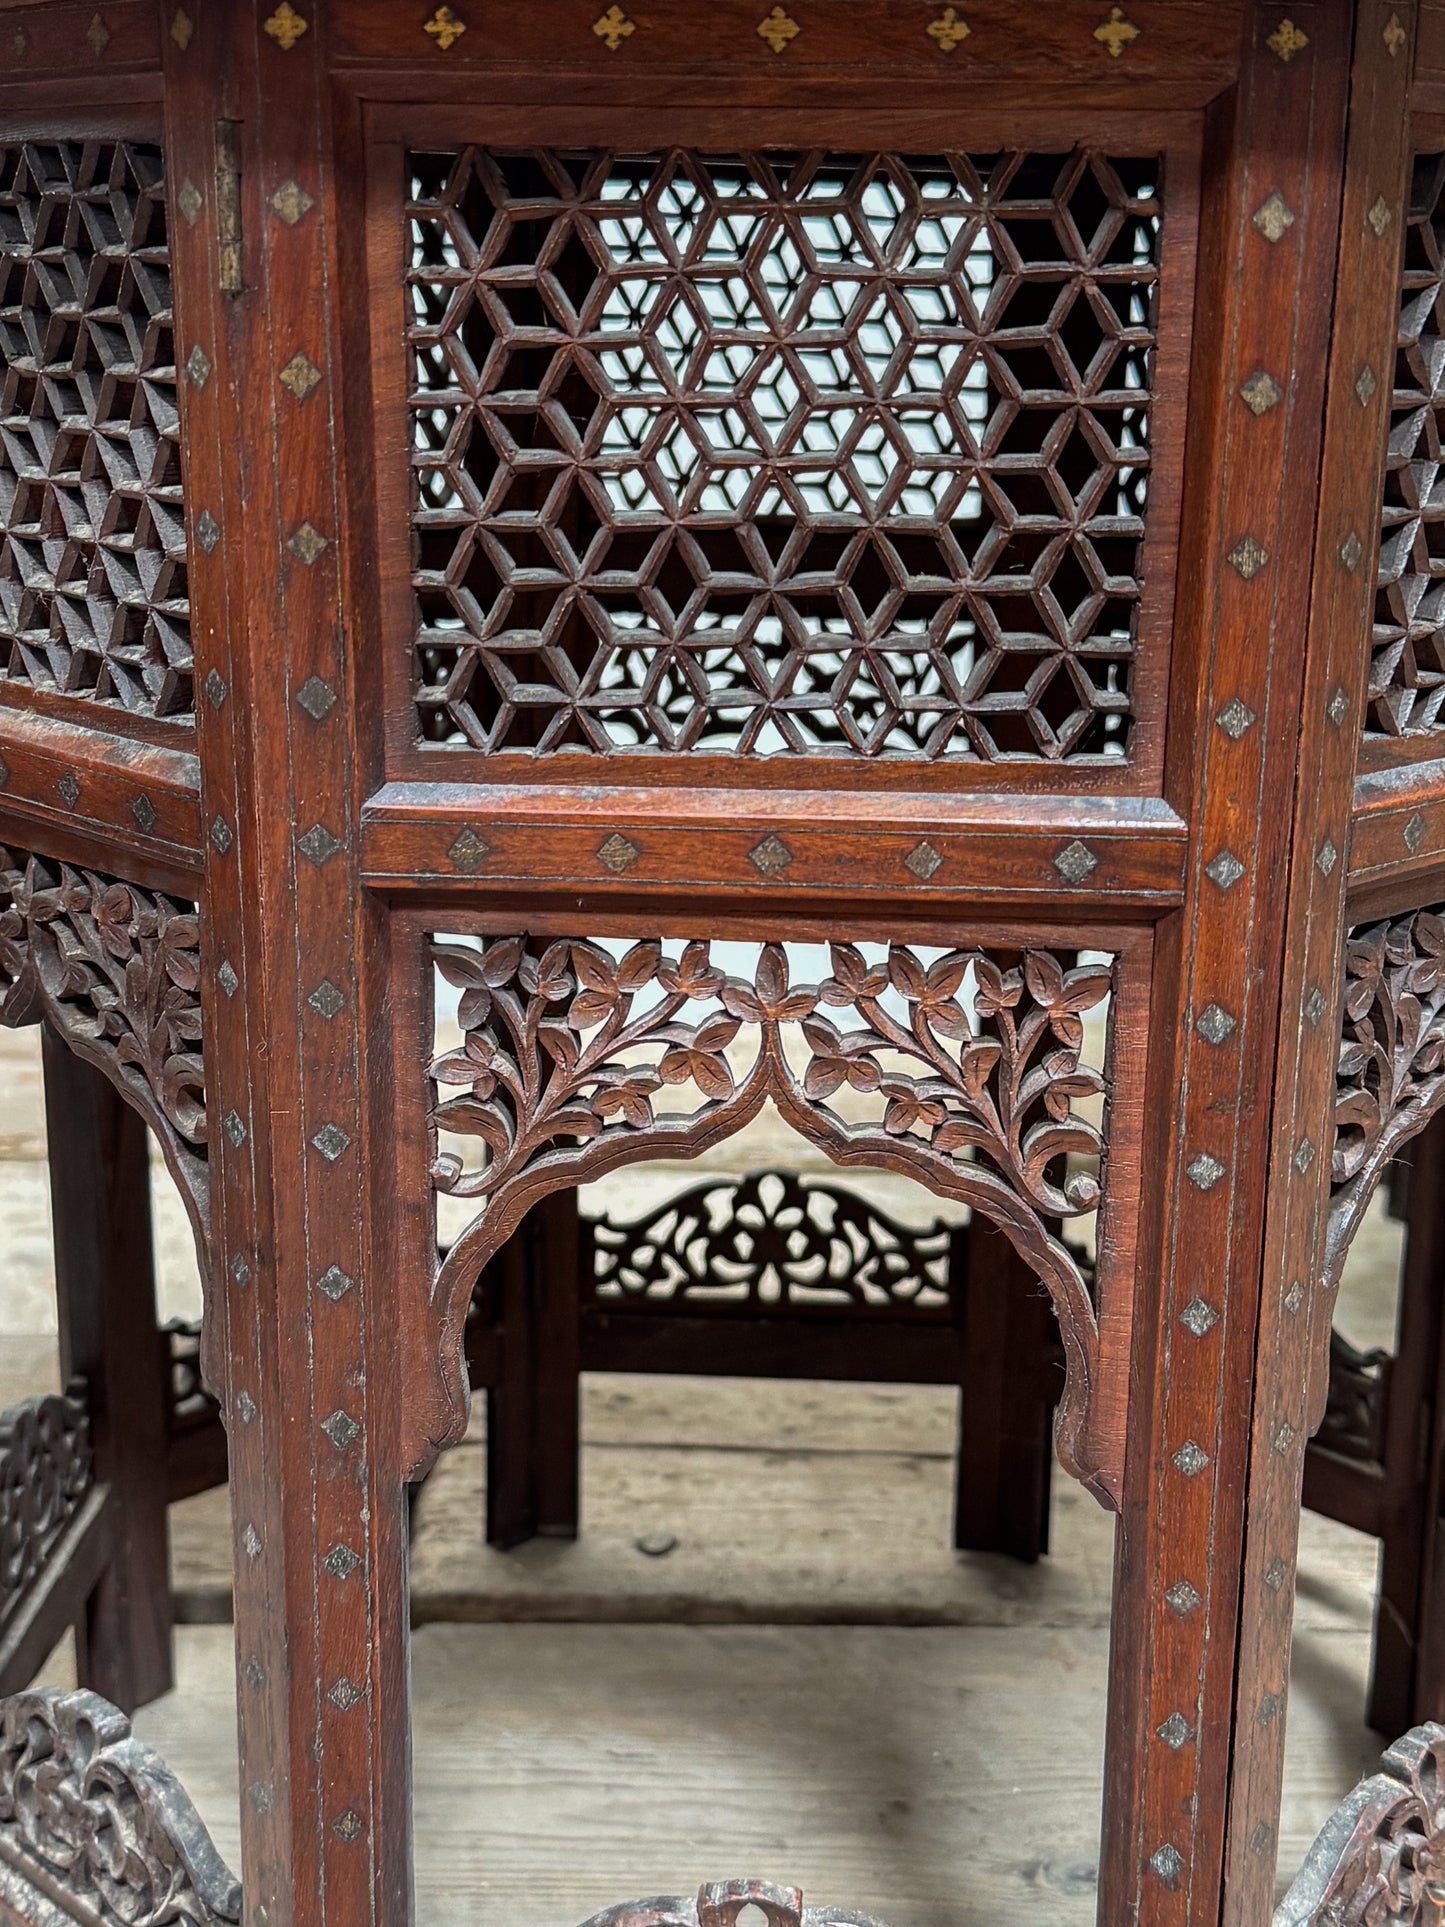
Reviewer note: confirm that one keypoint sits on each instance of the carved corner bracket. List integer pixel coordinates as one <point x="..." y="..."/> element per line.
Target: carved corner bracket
<point x="964" y="1073"/>
<point x="115" y="970"/>
<point x="95" y="1827"/>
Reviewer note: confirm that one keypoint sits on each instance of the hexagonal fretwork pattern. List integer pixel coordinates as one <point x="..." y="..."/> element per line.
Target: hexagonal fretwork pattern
<point x="92" y="541"/>
<point x="786" y="452"/>
<point x="1407" y="669"/>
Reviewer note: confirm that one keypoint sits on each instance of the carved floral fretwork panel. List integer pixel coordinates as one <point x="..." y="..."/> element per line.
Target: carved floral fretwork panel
<point x="1391" y="1074"/>
<point x="962" y="1070"/>
<point x="115" y="969"/>
<point x="45" y="1473"/>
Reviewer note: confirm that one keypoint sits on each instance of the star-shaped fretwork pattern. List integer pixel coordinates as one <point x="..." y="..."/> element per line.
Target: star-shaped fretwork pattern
<point x="1407" y="668"/>
<point x="93" y="597"/>
<point x="788" y="452"/>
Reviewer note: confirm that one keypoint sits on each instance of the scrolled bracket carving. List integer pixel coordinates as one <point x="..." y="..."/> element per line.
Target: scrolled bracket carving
<point x="115" y="970"/>
<point x="95" y="1827"/>
<point x="46" y="1470"/>
<point x="719" y="1905"/>
<point x="1379" y="1860"/>
<point x="964" y="1073"/>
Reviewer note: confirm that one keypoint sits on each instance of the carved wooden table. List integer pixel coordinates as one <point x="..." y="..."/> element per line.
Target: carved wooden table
<point x="568" y="572"/>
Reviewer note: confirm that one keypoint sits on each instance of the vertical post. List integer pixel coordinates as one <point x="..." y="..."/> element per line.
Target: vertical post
<point x="533" y="1434"/>
<point x="105" y="1296"/>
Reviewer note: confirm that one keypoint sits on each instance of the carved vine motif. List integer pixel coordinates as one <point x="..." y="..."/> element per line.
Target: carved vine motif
<point x="721" y="1902"/>
<point x="116" y="971"/>
<point x="95" y="1824"/>
<point x="1391" y="1073"/>
<point x="45" y="1473"/>
<point x="770" y="1243"/>
<point x="962" y="1072"/>
<point x="1379" y="1860"/>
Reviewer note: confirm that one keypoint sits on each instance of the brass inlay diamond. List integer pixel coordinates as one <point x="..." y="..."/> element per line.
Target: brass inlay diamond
<point x="300" y="375"/>
<point x="444" y="28"/>
<point x="306" y="544"/>
<point x="1287" y="40"/>
<point x="617" y="853"/>
<point x="1351" y="549"/>
<point x="182" y="27"/>
<point x="190" y="202"/>
<point x="948" y="30"/>
<point x="770" y="856"/>
<point x="1393" y="35"/>
<point x="614" y="27"/>
<point x="1273" y="217"/>
<point x="1261" y="393"/>
<point x="470" y="851"/>
<point x="778" y="29"/>
<point x="1414" y="832"/>
<point x="1248" y="557"/>
<point x="291" y="201"/>
<point x="20" y="41"/>
<point x="98" y="34"/>
<point x="1379" y="217"/>
<point x="286" y="26"/>
<point x="923" y="862"/>
<point x="1116" y="32"/>
<point x="1365" y="385"/>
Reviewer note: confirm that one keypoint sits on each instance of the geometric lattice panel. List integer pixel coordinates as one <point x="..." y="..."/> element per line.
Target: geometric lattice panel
<point x="780" y="452"/>
<point x="1407" y="667"/>
<point x="93" y="597"/>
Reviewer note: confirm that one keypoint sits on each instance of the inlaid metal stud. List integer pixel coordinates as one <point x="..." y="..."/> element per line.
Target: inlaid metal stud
<point x="1414" y="833"/>
<point x="334" y="1284"/>
<point x="326" y="998"/>
<point x="331" y="1141"/>
<point x="251" y="1540"/>
<point x="246" y="1406"/>
<point x="1076" y="862"/>
<point x="778" y="29"/>
<point x="235" y="1128"/>
<point x="300" y="375"/>
<point x="208" y="530"/>
<point x="924" y="862"/>
<point x="221" y="838"/>
<point x="69" y="790"/>
<point x="240" y="1272"/>
<point x="1200" y="1317"/>
<point x="1261" y="393"/>
<point x="1315" y="1005"/>
<point x="198" y="365"/>
<point x="349" y="1825"/>
<point x="318" y="845"/>
<point x="182" y="27"/>
<point x="948" y="30"/>
<point x="1351" y="549"/>
<point x="1235" y="719"/>
<point x="1261" y="1841"/>
<point x="259" y="1796"/>
<point x="445" y="28"/>
<point x="1365" y="385"/>
<point x="469" y="852"/>
<point x="613" y="28"/>
<point x="770" y="856"/>
<point x="307" y="544"/>
<point x="291" y="201"/>
<point x="1287" y="40"/>
<point x="98" y="35"/>
<point x="1275" y="1574"/>
<point x="1182" y="1598"/>
<point x="1214" y="1024"/>
<point x="254" y="1674"/>
<point x="1225" y="870"/>
<point x="1379" y="217"/>
<point x="1116" y="33"/>
<point x="317" y="698"/>
<point x="1393" y="35"/>
<point x="1274" y="217"/>
<point x="341" y="1562"/>
<point x="1176" y="1732"/>
<point x="1284" y="1438"/>
<point x="1168" y="1863"/>
<point x="617" y="853"/>
<point x="1339" y="706"/>
<point x="190" y="201"/>
<point x="1304" y="1156"/>
<point x="144" y="812"/>
<point x="1294" y="1297"/>
<point x="344" y="1694"/>
<point x="1326" y="857"/>
<point x="1204" y="1171"/>
<point x="20" y="42"/>
<point x="1248" y="557"/>
<point x="341" y="1429"/>
<point x="286" y="26"/>
<point x="1191" y="1459"/>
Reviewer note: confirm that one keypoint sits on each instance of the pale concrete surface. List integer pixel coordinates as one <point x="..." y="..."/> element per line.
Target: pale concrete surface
<point x="946" y="1769"/>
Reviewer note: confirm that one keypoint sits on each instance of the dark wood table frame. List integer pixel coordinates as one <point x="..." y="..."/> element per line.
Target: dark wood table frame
<point x="309" y="620"/>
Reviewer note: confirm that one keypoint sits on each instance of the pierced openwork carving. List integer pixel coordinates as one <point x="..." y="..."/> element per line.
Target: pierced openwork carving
<point x="1379" y="1860"/>
<point x="45" y="1473"/>
<point x="1391" y="1075"/>
<point x="93" y="596"/>
<point x="720" y="1904"/>
<point x="94" y="1826"/>
<point x="759" y="453"/>
<point x="960" y="1070"/>
<point x="116" y="970"/>
<point x="770" y="1243"/>
<point x="1407" y="668"/>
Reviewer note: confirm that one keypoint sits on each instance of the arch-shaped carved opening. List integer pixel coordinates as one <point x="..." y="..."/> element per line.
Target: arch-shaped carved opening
<point x="962" y="1069"/>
